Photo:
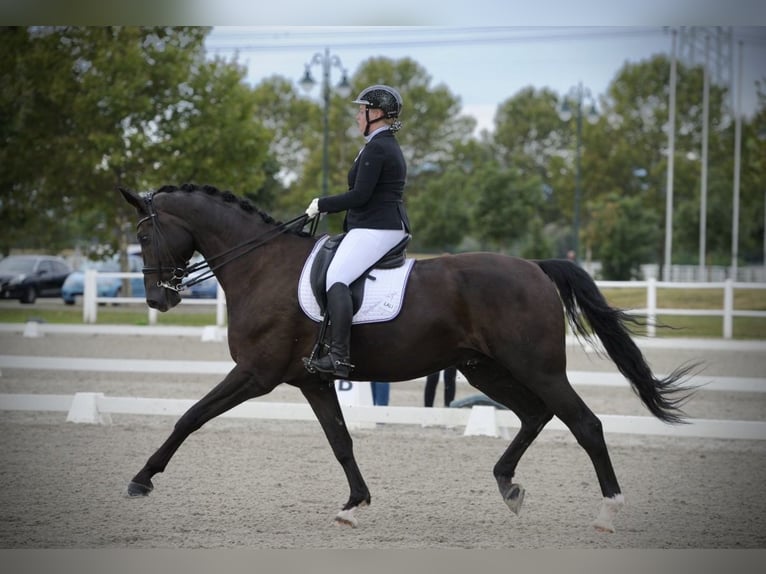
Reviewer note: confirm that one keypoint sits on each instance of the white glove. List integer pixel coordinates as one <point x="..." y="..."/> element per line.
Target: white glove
<point x="313" y="209"/>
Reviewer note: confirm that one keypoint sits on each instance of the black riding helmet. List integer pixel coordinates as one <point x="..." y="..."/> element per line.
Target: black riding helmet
<point x="380" y="97"/>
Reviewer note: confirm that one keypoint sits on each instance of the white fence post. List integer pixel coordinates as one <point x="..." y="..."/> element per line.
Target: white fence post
<point x="89" y="296"/>
<point x="651" y="307"/>
<point x="220" y="313"/>
<point x="728" y="308"/>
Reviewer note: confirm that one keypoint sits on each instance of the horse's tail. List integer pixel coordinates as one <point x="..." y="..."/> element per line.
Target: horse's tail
<point x="581" y="297"/>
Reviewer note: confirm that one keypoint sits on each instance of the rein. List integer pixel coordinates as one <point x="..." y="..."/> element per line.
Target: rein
<point x="176" y="283"/>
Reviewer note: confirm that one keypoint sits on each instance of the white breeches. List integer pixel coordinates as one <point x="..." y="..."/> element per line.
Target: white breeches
<point x="360" y="249"/>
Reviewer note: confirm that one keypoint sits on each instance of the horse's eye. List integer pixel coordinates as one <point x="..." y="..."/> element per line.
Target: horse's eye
<point x="143" y="239"/>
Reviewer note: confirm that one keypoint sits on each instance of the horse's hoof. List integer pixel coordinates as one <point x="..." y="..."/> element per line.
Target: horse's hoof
<point x="609" y="508"/>
<point x="514" y="497"/>
<point x="137" y="489"/>
<point x="347" y="518"/>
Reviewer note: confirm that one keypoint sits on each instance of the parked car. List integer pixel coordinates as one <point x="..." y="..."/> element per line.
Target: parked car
<point x="207" y="289"/>
<point x="27" y="277"/>
<point x="107" y="286"/>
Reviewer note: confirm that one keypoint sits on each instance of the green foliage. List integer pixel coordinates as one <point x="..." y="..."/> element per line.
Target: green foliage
<point x="210" y="136"/>
<point x="622" y="235"/>
<point x="538" y="242"/>
<point x="93" y="108"/>
<point x="294" y="126"/>
<point x="507" y="202"/>
<point x="441" y="213"/>
<point x="83" y="110"/>
<point x="528" y="131"/>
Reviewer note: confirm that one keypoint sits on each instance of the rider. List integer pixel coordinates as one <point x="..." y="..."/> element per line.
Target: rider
<point x="375" y="219"/>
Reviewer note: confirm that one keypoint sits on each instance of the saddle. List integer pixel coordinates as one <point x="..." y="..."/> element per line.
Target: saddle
<point x="395" y="257"/>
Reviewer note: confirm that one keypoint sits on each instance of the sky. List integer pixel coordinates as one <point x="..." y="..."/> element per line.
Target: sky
<point x="481" y="64"/>
<point x="484" y="51"/>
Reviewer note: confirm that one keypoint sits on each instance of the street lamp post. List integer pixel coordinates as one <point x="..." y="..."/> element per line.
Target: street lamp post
<point x="327" y="62"/>
<point x="579" y="94"/>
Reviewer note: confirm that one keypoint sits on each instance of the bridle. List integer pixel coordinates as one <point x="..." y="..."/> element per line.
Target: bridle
<point x="177" y="274"/>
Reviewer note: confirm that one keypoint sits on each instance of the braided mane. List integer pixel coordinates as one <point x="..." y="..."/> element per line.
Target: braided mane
<point x="226" y="196"/>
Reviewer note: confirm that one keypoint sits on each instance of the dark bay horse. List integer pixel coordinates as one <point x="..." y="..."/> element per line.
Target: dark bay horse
<point x="499" y="318"/>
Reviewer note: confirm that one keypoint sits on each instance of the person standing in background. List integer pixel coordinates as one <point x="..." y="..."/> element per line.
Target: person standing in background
<point x="380" y="391"/>
<point x="450" y="374"/>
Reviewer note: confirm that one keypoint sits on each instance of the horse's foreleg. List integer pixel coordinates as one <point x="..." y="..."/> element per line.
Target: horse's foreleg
<point x="230" y="392"/>
<point x="324" y="402"/>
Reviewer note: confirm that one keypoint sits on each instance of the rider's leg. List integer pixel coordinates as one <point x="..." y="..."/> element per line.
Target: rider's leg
<point x="340" y="309"/>
<point x="360" y="249"/>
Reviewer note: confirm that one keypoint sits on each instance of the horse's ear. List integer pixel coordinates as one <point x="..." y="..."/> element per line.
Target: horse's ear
<point x="133" y="199"/>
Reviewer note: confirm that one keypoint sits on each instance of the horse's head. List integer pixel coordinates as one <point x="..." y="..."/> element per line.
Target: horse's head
<point x="166" y="247"/>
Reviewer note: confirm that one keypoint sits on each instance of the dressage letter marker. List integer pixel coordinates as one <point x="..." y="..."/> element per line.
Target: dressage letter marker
<point x="354" y="394"/>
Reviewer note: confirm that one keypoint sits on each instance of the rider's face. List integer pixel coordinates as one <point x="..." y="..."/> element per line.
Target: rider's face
<point x="361" y="119"/>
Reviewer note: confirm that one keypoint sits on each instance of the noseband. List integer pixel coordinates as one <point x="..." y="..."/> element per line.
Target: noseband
<point x="175" y="283"/>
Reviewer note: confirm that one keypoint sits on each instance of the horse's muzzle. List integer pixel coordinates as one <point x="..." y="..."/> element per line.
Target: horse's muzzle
<point x="162" y="299"/>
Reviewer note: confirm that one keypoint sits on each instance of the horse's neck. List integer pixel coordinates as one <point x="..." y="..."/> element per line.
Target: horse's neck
<point x="248" y="248"/>
<point x="236" y="242"/>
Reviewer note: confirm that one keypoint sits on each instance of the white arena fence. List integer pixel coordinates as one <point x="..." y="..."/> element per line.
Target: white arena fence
<point x="727" y="311"/>
<point x="96" y="408"/>
<point x="91" y="299"/>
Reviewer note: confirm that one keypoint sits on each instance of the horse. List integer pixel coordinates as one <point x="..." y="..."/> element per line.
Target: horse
<point x="501" y="319"/>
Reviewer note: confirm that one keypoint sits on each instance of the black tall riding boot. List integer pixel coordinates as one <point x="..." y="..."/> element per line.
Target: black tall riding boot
<point x="341" y="310"/>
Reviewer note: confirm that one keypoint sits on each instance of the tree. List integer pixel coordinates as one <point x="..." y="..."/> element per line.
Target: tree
<point x="528" y="131"/>
<point x="531" y="138"/>
<point x="94" y="108"/>
<point x="441" y="213"/>
<point x="507" y="202"/>
<point x="214" y="135"/>
<point x="295" y="129"/>
<point x="753" y="182"/>
<point x="627" y="152"/>
<point x="625" y="233"/>
<point x="33" y="117"/>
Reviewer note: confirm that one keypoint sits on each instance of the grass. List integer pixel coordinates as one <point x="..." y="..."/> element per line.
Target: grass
<point x="123" y="315"/>
<point x="693" y="326"/>
<point x="744" y="299"/>
<point x="625" y="298"/>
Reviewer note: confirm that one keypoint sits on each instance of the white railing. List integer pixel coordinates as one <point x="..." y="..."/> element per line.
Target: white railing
<point x="727" y="311"/>
<point x="97" y="408"/>
<point x="90" y="298"/>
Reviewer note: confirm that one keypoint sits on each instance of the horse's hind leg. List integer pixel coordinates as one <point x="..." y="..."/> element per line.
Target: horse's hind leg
<point x="233" y="390"/>
<point x="324" y="402"/>
<point x="497" y="383"/>
<point x="567" y="405"/>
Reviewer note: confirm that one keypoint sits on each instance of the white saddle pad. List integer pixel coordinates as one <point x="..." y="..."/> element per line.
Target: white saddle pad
<point x="382" y="297"/>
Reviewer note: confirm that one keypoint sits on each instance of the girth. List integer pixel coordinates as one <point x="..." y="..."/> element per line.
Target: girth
<point x="395" y="257"/>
